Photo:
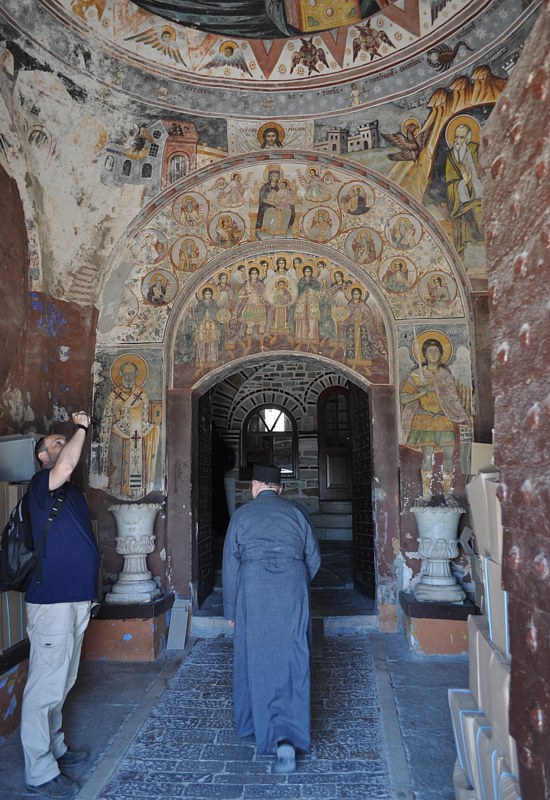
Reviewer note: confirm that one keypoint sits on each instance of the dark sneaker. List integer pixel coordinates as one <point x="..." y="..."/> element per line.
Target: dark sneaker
<point x="60" y="786"/>
<point x="72" y="758"/>
<point x="286" y="759"/>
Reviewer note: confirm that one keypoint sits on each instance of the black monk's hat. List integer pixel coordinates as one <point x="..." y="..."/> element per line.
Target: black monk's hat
<point x="266" y="474"/>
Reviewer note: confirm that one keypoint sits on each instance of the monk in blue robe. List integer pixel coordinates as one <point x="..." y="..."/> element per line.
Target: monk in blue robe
<point x="270" y="556"/>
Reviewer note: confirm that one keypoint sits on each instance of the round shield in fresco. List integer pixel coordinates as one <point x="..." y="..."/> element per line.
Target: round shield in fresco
<point x="320" y="224"/>
<point x="403" y="231"/>
<point x="190" y="209"/>
<point x="150" y="246"/>
<point x="437" y="289"/>
<point x="159" y="287"/>
<point x="397" y="275"/>
<point x="188" y="253"/>
<point x="356" y="198"/>
<point x="363" y="245"/>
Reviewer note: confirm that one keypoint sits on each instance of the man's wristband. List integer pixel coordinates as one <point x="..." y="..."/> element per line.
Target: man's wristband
<point x="78" y="425"/>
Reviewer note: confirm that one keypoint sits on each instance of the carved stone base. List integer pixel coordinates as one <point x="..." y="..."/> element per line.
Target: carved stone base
<point x="138" y="591"/>
<point x="425" y="593"/>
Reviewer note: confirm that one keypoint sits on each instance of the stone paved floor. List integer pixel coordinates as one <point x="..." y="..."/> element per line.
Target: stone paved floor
<point x="380" y="727"/>
<point x="187" y="748"/>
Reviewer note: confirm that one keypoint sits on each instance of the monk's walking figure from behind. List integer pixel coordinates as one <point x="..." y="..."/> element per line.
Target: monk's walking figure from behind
<point x="270" y="556"/>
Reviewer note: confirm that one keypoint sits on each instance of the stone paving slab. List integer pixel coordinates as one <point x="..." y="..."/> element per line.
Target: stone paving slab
<point x="187" y="749"/>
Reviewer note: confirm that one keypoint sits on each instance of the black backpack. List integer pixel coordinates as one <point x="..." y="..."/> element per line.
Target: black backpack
<point x="18" y="557"/>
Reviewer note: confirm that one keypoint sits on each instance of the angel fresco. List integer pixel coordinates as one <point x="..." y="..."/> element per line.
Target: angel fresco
<point x="309" y="56"/>
<point x="363" y="341"/>
<point x="203" y="333"/>
<point x="229" y="55"/>
<point x="163" y="42"/>
<point x="306" y="312"/>
<point x="250" y="317"/>
<point x="432" y="408"/>
<point x="316" y="184"/>
<point x="231" y="193"/>
<point x="370" y="41"/>
<point x="338" y="301"/>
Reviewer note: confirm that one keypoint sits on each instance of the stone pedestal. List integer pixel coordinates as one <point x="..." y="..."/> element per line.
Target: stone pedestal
<point x="135" y="540"/>
<point x="437" y="545"/>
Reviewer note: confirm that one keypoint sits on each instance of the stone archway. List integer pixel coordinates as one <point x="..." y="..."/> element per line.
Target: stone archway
<point x="184" y="412"/>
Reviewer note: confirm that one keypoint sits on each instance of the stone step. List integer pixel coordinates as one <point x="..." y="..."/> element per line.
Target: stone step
<point x="212" y="626"/>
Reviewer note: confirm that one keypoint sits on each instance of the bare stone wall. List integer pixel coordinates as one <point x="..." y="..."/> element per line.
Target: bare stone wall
<point x="516" y="190"/>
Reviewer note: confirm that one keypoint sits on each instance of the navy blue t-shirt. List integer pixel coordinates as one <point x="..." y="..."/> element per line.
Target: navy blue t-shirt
<point x="70" y="560"/>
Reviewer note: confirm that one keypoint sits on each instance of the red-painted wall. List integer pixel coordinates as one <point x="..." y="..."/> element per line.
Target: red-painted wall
<point x="517" y="194"/>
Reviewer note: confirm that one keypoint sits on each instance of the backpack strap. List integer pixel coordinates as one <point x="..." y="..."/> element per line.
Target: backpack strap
<point x="60" y="499"/>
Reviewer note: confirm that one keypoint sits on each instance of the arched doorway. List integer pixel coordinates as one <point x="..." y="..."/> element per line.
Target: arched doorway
<point x="294" y="384"/>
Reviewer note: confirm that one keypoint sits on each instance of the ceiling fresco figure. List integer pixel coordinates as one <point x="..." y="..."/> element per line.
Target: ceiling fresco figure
<point x="229" y="55"/>
<point x="275" y="218"/>
<point x="464" y="187"/>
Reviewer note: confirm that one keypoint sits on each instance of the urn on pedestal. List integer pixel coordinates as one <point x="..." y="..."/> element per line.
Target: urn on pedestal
<point x="135" y="540"/>
<point x="437" y="545"/>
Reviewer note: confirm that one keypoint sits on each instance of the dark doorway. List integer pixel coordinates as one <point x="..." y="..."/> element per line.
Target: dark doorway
<point x="335" y="482"/>
<point x="337" y="433"/>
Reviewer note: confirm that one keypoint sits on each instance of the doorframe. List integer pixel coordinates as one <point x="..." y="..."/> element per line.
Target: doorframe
<point x="182" y="469"/>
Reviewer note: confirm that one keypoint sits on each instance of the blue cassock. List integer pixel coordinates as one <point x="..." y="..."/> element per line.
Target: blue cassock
<point x="270" y="556"/>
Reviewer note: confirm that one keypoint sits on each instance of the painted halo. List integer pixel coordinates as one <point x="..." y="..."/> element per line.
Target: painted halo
<point x="462" y="119"/>
<point x="352" y="287"/>
<point x="444" y="341"/>
<point x="262" y="271"/>
<point x="312" y="265"/>
<point x="266" y="126"/>
<point x="210" y="285"/>
<point x="137" y="361"/>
